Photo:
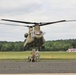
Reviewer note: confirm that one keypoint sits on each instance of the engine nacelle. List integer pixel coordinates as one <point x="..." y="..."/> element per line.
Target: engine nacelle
<point x="26" y="35"/>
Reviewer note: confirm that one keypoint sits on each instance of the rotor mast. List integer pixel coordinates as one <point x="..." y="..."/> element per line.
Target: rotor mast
<point x="37" y="27"/>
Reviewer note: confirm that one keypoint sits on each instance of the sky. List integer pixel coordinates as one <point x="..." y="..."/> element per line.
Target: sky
<point x="38" y="11"/>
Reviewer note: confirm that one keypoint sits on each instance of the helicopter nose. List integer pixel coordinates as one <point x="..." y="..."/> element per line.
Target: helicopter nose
<point x="37" y="32"/>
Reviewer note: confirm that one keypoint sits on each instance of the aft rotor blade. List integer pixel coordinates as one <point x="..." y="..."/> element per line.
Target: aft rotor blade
<point x="70" y="20"/>
<point x="14" y="24"/>
<point x="42" y="24"/>
<point x="18" y="21"/>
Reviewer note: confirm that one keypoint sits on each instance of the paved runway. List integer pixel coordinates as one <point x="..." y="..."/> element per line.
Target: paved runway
<point x="25" y="67"/>
<point x="44" y="74"/>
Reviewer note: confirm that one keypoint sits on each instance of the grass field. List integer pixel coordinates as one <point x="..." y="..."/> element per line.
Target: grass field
<point x="43" y="55"/>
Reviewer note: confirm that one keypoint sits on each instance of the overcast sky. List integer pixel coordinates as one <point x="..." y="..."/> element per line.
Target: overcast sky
<point x="38" y="11"/>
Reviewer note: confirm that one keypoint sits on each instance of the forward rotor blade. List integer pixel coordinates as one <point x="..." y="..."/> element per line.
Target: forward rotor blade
<point x="18" y="21"/>
<point x="14" y="24"/>
<point x="42" y="24"/>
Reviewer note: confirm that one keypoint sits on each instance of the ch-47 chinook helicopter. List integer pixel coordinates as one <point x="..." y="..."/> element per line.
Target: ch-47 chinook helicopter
<point x="34" y="37"/>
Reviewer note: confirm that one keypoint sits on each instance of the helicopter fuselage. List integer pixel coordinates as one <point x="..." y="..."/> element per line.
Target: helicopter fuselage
<point x="34" y="38"/>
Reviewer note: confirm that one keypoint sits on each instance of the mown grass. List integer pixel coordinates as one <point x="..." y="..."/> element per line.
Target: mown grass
<point x="43" y="55"/>
<point x="58" y="55"/>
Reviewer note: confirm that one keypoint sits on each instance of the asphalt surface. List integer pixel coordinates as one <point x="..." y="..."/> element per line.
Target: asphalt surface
<point x="25" y="67"/>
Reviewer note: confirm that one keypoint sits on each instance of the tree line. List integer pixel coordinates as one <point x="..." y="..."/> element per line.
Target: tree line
<point x="11" y="46"/>
<point x="55" y="45"/>
<point x="60" y="45"/>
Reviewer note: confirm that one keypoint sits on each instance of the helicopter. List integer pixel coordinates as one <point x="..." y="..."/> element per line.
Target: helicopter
<point x="34" y="37"/>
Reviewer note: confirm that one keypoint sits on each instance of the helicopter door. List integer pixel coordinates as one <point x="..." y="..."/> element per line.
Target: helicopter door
<point x="32" y="34"/>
